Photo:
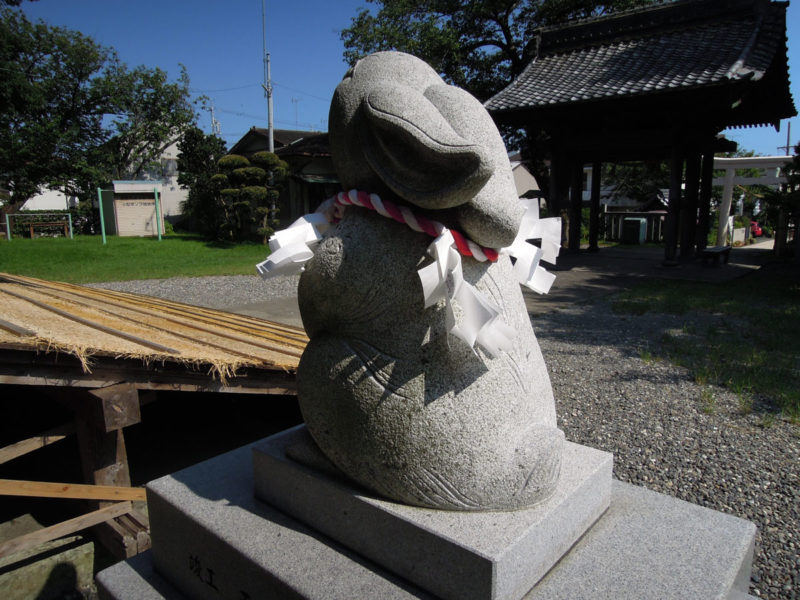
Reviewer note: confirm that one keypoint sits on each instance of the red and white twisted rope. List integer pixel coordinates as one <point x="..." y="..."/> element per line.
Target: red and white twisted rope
<point x="419" y="223"/>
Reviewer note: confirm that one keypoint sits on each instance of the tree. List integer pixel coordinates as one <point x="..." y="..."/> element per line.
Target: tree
<point x="784" y="206"/>
<point x="640" y="181"/>
<point x="197" y="164"/>
<point x="246" y="192"/>
<point x="72" y="116"/>
<point x="150" y="114"/>
<point x="479" y="45"/>
<point x="50" y="106"/>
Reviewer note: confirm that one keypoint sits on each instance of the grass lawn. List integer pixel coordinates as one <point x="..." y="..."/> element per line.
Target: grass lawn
<point x="85" y="259"/>
<point x="756" y="353"/>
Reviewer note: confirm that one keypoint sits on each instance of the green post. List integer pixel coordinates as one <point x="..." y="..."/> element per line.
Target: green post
<point x="102" y="220"/>
<point x="69" y="216"/>
<point x="158" y="214"/>
<point x="8" y="228"/>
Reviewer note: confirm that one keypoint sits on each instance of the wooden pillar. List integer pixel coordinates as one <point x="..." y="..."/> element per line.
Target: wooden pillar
<point x="688" y="229"/>
<point x="704" y="200"/>
<point x="575" y="204"/>
<point x="100" y="417"/>
<point x="559" y="186"/>
<point x="674" y="207"/>
<point x="594" y="207"/>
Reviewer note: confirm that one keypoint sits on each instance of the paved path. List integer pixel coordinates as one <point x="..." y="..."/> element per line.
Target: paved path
<point x="582" y="277"/>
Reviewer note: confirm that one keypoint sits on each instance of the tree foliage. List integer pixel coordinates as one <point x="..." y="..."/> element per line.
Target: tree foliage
<point x="72" y="116"/>
<point x="197" y="165"/>
<point x="783" y="206"/>
<point x="240" y="198"/>
<point x="640" y="181"/>
<point x="478" y="45"/>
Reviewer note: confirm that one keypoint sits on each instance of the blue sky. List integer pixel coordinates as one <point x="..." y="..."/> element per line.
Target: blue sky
<point x="220" y="43"/>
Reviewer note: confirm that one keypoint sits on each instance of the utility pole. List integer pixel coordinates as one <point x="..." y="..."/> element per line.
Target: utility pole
<point x="267" y="85"/>
<point x="788" y="146"/>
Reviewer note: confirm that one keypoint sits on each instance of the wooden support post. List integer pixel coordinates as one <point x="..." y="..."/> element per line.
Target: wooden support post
<point x="594" y="207"/>
<point x="704" y="201"/>
<point x="103" y="455"/>
<point x="100" y="416"/>
<point x="674" y="207"/>
<point x="688" y="228"/>
<point x="559" y="187"/>
<point x="575" y="204"/>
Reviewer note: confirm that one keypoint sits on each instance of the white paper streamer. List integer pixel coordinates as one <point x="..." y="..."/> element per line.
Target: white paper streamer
<point x="291" y="248"/>
<point x="528" y="256"/>
<point x="480" y="322"/>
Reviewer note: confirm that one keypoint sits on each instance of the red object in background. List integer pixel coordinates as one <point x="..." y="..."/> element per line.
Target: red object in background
<point x="755" y="229"/>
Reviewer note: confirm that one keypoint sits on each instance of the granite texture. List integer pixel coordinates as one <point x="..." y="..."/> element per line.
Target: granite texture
<point x="663" y="548"/>
<point x="454" y="554"/>
<point x="395" y="402"/>
<point x="213" y="539"/>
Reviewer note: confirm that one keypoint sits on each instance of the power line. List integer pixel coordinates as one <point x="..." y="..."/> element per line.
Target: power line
<point x="286" y="87"/>
<point x="231" y="89"/>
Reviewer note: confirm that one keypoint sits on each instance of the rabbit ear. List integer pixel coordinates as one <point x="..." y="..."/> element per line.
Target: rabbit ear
<point x="410" y="145"/>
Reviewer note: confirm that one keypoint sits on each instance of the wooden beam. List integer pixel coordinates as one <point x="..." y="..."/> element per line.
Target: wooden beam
<point x="23" y="447"/>
<point x="16" y="329"/>
<point x="43" y="489"/>
<point x="23" y="366"/>
<point x="117" y="406"/>
<point x="71" y="526"/>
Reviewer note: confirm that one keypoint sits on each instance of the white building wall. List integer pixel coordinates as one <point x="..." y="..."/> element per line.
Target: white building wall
<point x="48" y="200"/>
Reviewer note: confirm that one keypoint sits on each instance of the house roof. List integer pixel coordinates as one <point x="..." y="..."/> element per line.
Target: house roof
<point x="314" y="144"/>
<point x="687" y="45"/>
<point x="257" y="139"/>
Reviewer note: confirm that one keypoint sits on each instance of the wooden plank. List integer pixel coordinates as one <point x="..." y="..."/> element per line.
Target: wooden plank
<point x="23" y="447"/>
<point x="44" y="489"/>
<point x="69" y="527"/>
<point x="16" y="329"/>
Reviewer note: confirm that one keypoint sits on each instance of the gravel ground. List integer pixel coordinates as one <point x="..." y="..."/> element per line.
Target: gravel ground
<point x="667" y="432"/>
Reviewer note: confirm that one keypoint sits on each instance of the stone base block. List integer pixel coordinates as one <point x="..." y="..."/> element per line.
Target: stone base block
<point x="453" y="554"/>
<point x="213" y="539"/>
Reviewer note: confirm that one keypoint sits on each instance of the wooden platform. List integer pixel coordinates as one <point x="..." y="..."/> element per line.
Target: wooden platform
<point x="102" y="354"/>
<point x="54" y="332"/>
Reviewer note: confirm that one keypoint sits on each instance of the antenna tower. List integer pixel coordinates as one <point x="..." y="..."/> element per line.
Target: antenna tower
<point x="215" y="126"/>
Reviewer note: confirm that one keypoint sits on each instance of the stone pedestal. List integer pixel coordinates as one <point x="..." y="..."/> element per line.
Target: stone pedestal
<point x="212" y="538"/>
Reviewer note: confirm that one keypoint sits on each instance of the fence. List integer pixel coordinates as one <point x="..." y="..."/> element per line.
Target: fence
<point x="612" y="224"/>
<point x="33" y="220"/>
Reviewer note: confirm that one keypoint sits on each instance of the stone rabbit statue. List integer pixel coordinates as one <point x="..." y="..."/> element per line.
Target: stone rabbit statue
<point x="392" y="400"/>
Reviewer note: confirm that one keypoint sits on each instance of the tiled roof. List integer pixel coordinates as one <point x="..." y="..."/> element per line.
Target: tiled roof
<point x="257" y="137"/>
<point x="314" y="144"/>
<point x="673" y="46"/>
